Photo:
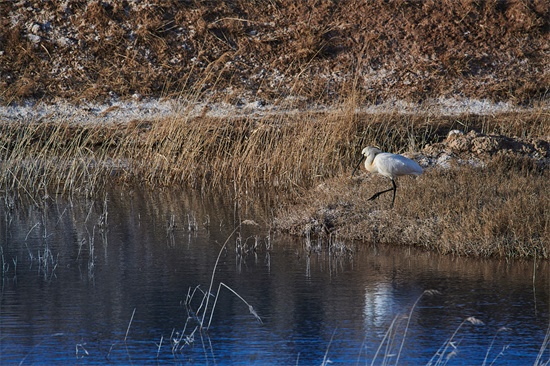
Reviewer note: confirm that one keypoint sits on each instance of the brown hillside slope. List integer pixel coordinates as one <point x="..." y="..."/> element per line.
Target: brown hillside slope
<point x="313" y="50"/>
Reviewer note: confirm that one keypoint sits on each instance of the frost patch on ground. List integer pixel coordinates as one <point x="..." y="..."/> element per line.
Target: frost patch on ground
<point x="115" y="112"/>
<point x="125" y="111"/>
<point x="446" y="107"/>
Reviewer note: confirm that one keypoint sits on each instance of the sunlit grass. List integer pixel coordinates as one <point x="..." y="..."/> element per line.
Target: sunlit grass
<point x="303" y="158"/>
<point x="497" y="211"/>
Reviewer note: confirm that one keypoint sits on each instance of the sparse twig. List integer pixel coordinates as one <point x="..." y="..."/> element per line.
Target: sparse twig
<point x="326" y="360"/>
<point x="426" y="292"/>
<point x="250" y="308"/>
<point x="449" y="342"/>
<point x="129" y="324"/>
<point x="214" y="273"/>
<point x="545" y="346"/>
<point x="502" y="329"/>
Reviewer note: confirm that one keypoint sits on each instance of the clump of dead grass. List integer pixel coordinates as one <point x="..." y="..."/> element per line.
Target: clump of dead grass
<point x="497" y="211"/>
<point x="42" y="159"/>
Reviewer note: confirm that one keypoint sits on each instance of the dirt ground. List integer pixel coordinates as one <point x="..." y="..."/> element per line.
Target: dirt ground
<point x="306" y="51"/>
<point x="476" y="149"/>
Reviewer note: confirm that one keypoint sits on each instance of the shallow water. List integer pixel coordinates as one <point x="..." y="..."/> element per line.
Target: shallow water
<point x="110" y="281"/>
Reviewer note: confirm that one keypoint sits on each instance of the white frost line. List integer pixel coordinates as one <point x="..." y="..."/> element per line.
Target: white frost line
<point x="126" y="111"/>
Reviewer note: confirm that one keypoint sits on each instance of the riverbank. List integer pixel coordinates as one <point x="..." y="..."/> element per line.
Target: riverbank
<point x="485" y="204"/>
<point x="483" y="193"/>
<point x="276" y="101"/>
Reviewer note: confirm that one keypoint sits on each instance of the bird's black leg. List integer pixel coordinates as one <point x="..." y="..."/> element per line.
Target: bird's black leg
<point x="394" y="191"/>
<point x="375" y="196"/>
<point x="393" y="188"/>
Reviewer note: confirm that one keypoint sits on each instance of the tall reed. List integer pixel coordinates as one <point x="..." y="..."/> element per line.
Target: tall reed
<point x="281" y="151"/>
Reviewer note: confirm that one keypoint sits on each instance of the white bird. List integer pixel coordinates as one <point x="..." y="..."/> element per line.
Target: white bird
<point x="388" y="165"/>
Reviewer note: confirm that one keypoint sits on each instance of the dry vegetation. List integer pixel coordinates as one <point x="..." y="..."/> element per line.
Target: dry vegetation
<point x="306" y="50"/>
<point x="500" y="208"/>
<point x="346" y="54"/>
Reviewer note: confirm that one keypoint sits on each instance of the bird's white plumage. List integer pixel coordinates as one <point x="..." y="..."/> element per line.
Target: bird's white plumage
<point x="389" y="165"/>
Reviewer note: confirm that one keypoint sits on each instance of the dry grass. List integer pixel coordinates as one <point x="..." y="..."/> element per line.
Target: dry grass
<point x="499" y="210"/>
<point x="44" y="159"/>
<point x="409" y="50"/>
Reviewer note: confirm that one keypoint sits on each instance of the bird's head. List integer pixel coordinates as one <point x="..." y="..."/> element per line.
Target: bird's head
<point x="370" y="150"/>
<point x="367" y="151"/>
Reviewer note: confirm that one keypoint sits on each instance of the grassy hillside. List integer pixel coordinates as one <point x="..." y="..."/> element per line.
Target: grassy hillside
<point x="272" y="50"/>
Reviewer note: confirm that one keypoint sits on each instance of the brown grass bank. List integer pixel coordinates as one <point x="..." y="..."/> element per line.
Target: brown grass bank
<point x="501" y="209"/>
<point x="234" y="50"/>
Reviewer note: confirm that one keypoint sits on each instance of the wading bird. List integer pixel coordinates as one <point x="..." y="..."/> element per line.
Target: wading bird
<point x="389" y="165"/>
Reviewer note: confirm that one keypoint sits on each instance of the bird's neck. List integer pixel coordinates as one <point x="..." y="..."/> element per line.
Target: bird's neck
<point x="368" y="163"/>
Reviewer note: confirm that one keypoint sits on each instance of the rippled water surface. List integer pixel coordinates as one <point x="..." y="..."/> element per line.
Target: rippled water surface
<point x="122" y="280"/>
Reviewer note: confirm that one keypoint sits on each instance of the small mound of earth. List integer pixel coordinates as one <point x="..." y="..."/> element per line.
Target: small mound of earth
<point x="476" y="149"/>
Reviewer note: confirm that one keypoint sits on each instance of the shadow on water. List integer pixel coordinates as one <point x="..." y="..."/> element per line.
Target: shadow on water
<point x="122" y="279"/>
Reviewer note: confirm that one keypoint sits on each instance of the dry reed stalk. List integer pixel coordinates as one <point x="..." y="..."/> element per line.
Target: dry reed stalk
<point x="545" y="346"/>
<point x="272" y="151"/>
<point x="501" y="329"/>
<point x="37" y="157"/>
<point x="283" y="151"/>
<point x="442" y="352"/>
<point x="391" y="335"/>
<point x="129" y="325"/>
<point x="37" y="345"/>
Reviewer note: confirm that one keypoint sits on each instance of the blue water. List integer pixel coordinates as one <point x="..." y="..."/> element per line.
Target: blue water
<point x="109" y="281"/>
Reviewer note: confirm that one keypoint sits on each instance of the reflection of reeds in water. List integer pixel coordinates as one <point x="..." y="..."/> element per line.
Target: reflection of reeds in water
<point x="390" y="349"/>
<point x="391" y="346"/>
<point x="200" y="306"/>
<point x="37" y="238"/>
<point x="199" y="319"/>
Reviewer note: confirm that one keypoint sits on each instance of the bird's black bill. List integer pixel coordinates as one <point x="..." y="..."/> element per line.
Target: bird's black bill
<point x="357" y="166"/>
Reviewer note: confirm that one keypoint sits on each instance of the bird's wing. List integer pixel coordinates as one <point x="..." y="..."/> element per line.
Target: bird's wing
<point x="393" y="165"/>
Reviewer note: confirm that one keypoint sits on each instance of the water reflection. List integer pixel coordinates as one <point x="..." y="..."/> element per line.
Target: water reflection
<point x="121" y="279"/>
